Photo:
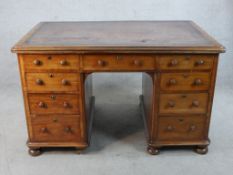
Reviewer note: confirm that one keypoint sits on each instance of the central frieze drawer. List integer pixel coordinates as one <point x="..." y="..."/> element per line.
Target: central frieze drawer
<point x="183" y="103"/>
<point x="54" y="103"/>
<point x="56" y="128"/>
<point x="52" y="82"/>
<point x="38" y="62"/>
<point x="118" y="62"/>
<point x="185" y="81"/>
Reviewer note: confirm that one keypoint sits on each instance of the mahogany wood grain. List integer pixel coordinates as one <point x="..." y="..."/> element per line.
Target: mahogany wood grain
<point x="185" y="62"/>
<point x="42" y="82"/>
<point x="185" y="81"/>
<point x="118" y="62"/>
<point x="50" y="62"/>
<point x="195" y="103"/>
<point x="179" y="64"/>
<point x="54" y="103"/>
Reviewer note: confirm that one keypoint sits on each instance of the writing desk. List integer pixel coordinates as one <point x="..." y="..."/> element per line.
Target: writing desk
<point x="177" y="58"/>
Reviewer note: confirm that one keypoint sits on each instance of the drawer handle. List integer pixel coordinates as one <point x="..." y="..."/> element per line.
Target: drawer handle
<point x="172" y="82"/>
<point x="197" y="82"/>
<point x="171" y="104"/>
<point x="66" y="104"/>
<point x="137" y="63"/>
<point x="44" y="130"/>
<point x="170" y="128"/>
<point x="101" y="62"/>
<point x="41" y="104"/>
<point x="199" y="62"/>
<point x="195" y="103"/>
<point x="68" y="129"/>
<point x="65" y="82"/>
<point x="63" y="62"/>
<point x="55" y="120"/>
<point x="37" y="62"/>
<point x="53" y="97"/>
<point x="39" y="82"/>
<point x="192" y="128"/>
<point x="173" y="62"/>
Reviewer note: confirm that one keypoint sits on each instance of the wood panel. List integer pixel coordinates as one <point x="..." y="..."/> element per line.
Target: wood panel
<point x="51" y="62"/>
<point x="39" y="82"/>
<point x="185" y="81"/>
<point x="54" y="103"/>
<point x="181" y="128"/>
<point x="183" y="103"/>
<point x="185" y="62"/>
<point x="118" y="62"/>
<point x="56" y="128"/>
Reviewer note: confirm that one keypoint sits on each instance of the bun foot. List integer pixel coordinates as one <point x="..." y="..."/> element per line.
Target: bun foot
<point x="201" y="149"/>
<point x="152" y="150"/>
<point x="34" y="152"/>
<point x="78" y="151"/>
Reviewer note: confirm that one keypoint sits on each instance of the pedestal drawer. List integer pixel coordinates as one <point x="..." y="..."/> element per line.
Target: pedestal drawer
<point x="40" y="82"/>
<point x="54" y="103"/>
<point x="56" y="128"/>
<point x="185" y="62"/>
<point x="181" y="128"/>
<point x="38" y="62"/>
<point x="185" y="81"/>
<point x="183" y="103"/>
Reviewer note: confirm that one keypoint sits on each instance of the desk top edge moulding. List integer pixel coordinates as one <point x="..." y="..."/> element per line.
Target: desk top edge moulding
<point x="178" y="61"/>
<point x="115" y="36"/>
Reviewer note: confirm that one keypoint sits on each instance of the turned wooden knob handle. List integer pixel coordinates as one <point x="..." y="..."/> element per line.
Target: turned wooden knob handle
<point x="39" y="82"/>
<point x="170" y="128"/>
<point x="192" y="128"/>
<point x="37" y="62"/>
<point x="137" y="62"/>
<point x="41" y="104"/>
<point x="44" y="130"/>
<point x="100" y="62"/>
<point x="66" y="104"/>
<point x="199" y="62"/>
<point x="172" y="82"/>
<point x="171" y="104"/>
<point x="63" y="62"/>
<point x="195" y="103"/>
<point x="173" y="62"/>
<point x="65" y="82"/>
<point x="67" y="129"/>
<point x="197" y="82"/>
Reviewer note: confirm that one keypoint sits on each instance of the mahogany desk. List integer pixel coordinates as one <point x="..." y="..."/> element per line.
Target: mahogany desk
<point x="177" y="58"/>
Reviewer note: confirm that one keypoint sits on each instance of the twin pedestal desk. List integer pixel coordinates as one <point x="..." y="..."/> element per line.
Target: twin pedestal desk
<point x="178" y="61"/>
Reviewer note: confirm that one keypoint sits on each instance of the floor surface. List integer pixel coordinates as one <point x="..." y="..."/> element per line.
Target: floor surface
<point x="118" y="142"/>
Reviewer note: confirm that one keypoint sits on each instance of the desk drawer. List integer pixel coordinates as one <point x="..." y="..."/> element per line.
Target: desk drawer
<point x="183" y="103"/>
<point x="56" y="128"/>
<point x="38" y="62"/>
<point x="185" y="81"/>
<point x="118" y="62"/>
<point x="182" y="62"/>
<point x="54" y="103"/>
<point x="40" y="82"/>
<point x="181" y="128"/>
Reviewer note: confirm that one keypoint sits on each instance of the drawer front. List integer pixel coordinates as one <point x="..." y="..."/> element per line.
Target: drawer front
<point x="56" y="128"/>
<point x="185" y="81"/>
<point x="118" y="62"/>
<point x="181" y="128"/>
<point x="183" y="103"/>
<point x="54" y="103"/>
<point x="39" y="82"/>
<point x="182" y="62"/>
<point x="50" y="62"/>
